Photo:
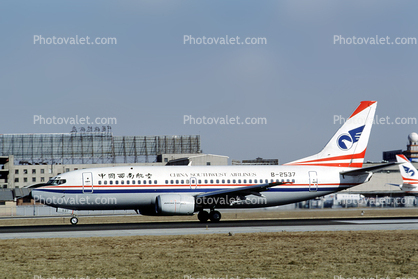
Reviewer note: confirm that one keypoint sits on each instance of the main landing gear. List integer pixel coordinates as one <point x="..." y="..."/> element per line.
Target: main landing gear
<point x="213" y="216"/>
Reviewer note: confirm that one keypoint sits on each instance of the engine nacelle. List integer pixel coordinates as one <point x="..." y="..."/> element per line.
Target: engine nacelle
<point x="172" y="204"/>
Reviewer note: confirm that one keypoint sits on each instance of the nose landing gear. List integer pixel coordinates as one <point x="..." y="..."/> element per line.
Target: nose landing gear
<point x="74" y="220"/>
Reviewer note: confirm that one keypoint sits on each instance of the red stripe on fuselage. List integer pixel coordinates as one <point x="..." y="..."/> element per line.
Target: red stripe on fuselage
<point x="200" y="186"/>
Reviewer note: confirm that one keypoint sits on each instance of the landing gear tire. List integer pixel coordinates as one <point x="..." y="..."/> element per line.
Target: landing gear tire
<point x="215" y="216"/>
<point x="203" y="216"/>
<point x="74" y="220"/>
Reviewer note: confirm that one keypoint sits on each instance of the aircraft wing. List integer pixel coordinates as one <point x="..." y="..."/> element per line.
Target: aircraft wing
<point x="234" y="195"/>
<point x="367" y="169"/>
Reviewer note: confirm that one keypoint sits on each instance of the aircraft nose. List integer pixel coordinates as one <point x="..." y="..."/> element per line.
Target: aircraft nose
<point x="33" y="188"/>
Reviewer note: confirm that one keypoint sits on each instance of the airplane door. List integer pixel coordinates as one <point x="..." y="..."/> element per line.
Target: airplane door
<point x="313" y="181"/>
<point x="193" y="183"/>
<point x="87" y="182"/>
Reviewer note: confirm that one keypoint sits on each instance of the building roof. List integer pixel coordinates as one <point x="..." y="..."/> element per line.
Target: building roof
<point x="6" y="195"/>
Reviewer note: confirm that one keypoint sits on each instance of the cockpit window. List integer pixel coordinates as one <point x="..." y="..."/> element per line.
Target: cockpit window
<point x="56" y="181"/>
<point x="52" y="181"/>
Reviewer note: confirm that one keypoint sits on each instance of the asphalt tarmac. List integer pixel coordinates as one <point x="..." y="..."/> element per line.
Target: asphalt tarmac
<point x="195" y="227"/>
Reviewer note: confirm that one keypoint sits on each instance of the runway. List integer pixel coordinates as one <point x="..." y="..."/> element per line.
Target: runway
<point x="223" y="227"/>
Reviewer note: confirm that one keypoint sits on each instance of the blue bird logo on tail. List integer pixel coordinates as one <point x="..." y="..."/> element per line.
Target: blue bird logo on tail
<point x="346" y="141"/>
<point x="409" y="171"/>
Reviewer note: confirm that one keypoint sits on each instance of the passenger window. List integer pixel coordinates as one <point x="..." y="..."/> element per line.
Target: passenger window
<point x="245" y="180"/>
<point x="166" y="182"/>
<point x="233" y="181"/>
<point x="228" y="181"/>
<point x="223" y="181"/>
<point x="199" y="181"/>
<point x="105" y="182"/>
<point x="217" y="181"/>
<point x="122" y="182"/>
<point x="139" y="182"/>
<point x="155" y="181"/>
<point x="177" y="182"/>
<point x="116" y="182"/>
<point x="100" y="182"/>
<point x="211" y="181"/>
<point x="111" y="182"/>
<point x="127" y="181"/>
<point x="206" y="181"/>
<point x="133" y="182"/>
<point x="149" y="182"/>
<point x="255" y="181"/>
<point x="239" y="181"/>
<point x="182" y="182"/>
<point x="145" y="182"/>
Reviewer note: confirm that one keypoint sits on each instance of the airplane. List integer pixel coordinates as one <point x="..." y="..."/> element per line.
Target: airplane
<point x="409" y="175"/>
<point x="186" y="190"/>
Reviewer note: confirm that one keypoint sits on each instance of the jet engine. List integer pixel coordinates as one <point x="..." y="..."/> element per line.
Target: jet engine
<point x="172" y="204"/>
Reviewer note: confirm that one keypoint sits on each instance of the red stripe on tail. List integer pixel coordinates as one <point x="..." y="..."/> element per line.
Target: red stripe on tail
<point x="363" y="105"/>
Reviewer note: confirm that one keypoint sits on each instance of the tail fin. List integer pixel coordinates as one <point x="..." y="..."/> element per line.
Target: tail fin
<point x="348" y="146"/>
<point x="408" y="171"/>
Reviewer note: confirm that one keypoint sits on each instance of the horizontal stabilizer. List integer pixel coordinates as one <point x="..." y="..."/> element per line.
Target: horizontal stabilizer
<point x="367" y="169"/>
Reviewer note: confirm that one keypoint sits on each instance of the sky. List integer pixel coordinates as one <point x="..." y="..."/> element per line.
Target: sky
<point x="298" y="79"/>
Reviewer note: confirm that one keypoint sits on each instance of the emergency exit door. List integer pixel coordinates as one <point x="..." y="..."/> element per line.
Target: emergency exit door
<point x="313" y="181"/>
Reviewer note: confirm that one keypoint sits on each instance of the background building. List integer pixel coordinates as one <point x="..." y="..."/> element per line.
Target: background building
<point x="257" y="161"/>
<point x="28" y="159"/>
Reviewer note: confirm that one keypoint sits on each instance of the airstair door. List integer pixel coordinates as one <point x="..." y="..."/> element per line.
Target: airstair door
<point x="87" y="182"/>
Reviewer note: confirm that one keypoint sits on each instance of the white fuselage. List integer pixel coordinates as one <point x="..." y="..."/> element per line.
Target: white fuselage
<point x="137" y="187"/>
